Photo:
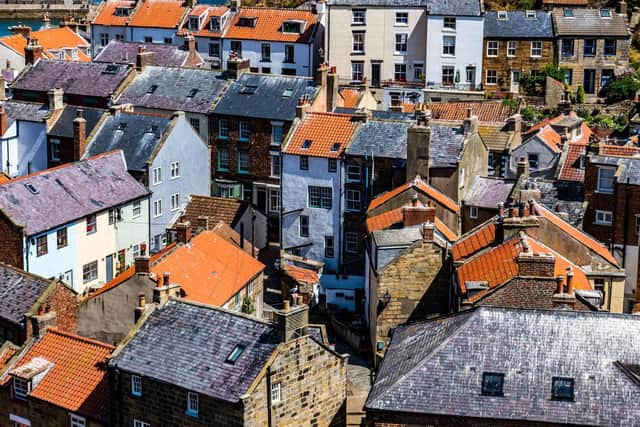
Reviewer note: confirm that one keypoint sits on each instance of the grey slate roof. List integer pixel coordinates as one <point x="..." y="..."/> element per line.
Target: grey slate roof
<point x="382" y="138"/>
<point x="271" y="99"/>
<point x="19" y="291"/>
<point x="446" y="145"/>
<point x="566" y="199"/>
<point x="436" y="367"/>
<point x="517" y="26"/>
<point x="120" y="52"/>
<point x="588" y="22"/>
<point x="487" y="192"/>
<point x="27" y="111"/>
<point x="70" y="192"/>
<point x="187" y="344"/>
<point x="137" y="135"/>
<point x="77" y="78"/>
<point x="63" y="127"/>
<point x="173" y="89"/>
<point x="436" y="7"/>
<point x="630" y="169"/>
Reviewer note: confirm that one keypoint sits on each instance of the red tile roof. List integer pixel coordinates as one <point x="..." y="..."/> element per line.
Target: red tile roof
<point x="77" y="380"/>
<point x="350" y="97"/>
<point x="498" y="265"/>
<point x="419" y="184"/>
<point x="551" y="138"/>
<point x="205" y="30"/>
<point x="324" y="130"/>
<point x="158" y="14"/>
<point x="616" y="150"/>
<point x="209" y="269"/>
<point x="394" y="216"/>
<point x="268" y="25"/>
<point x="107" y="14"/>
<point x="51" y="40"/>
<point x="474" y="241"/>
<point x="301" y="275"/>
<point x="571" y="170"/>
<point x="487" y="112"/>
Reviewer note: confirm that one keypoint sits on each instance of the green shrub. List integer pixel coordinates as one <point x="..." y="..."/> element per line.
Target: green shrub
<point x="580" y="95"/>
<point x="620" y="89"/>
<point x="528" y="114"/>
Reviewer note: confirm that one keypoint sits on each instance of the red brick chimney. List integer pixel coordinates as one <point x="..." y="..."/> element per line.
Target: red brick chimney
<point x="561" y="299"/>
<point x="32" y="51"/>
<point x="142" y="264"/>
<point x="428" y="231"/>
<point x="79" y="135"/>
<point x="183" y="231"/>
<point x="534" y="265"/>
<point x="415" y="213"/>
<point x="3" y="120"/>
<point x="189" y="43"/>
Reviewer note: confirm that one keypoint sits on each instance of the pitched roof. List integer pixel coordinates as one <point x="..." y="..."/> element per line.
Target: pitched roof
<point x="233" y="237"/>
<point x="571" y="170"/>
<point x="63" y="126"/>
<point x="69" y="192"/>
<point x="322" y="135"/>
<point x="393" y="217"/>
<point x="350" y="96"/>
<point x="51" y="40"/>
<point x="549" y="137"/>
<point x="165" y="55"/>
<point x="436" y="7"/>
<point x="622" y="151"/>
<point x="76" y="380"/>
<point x="174" y="89"/>
<point x="158" y="14"/>
<point x="588" y="22"/>
<point x="107" y="14"/>
<point x="487" y="192"/>
<point x="418" y="184"/>
<point x="265" y="96"/>
<point x="300" y="275"/>
<point x="499" y="264"/>
<point x="518" y="25"/>
<point x="26" y="111"/>
<point x="198" y="349"/>
<point x="446" y="145"/>
<point x="381" y="138"/>
<point x="486" y="111"/>
<point x="137" y="135"/>
<point x="268" y="25"/>
<point x="19" y="292"/>
<point x="436" y="366"/>
<point x="497" y="138"/>
<point x="205" y="29"/>
<point x="477" y="239"/>
<point x="215" y="209"/>
<point x="75" y="78"/>
<point x="628" y="168"/>
<point x="209" y="269"/>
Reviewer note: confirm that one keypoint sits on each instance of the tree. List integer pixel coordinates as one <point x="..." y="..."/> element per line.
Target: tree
<point x="580" y="95"/>
<point x="620" y="89"/>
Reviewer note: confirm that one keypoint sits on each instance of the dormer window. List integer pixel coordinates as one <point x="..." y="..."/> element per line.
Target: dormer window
<point x="292" y="27"/>
<point x="74" y="53"/>
<point x="568" y="13"/>
<point x="247" y="22"/>
<point x="194" y="23"/>
<point x="21" y="388"/>
<point x="60" y="55"/>
<point x="582" y="161"/>
<point x="531" y="14"/>
<point x="214" y="24"/>
<point x="502" y="15"/>
<point x="562" y="388"/>
<point x="605" y="13"/>
<point x="122" y="11"/>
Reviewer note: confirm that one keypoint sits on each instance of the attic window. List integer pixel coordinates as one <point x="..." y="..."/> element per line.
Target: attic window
<point x="287" y="93"/>
<point x="502" y="15"/>
<point x="152" y="89"/>
<point x="122" y="11"/>
<point x="568" y="13"/>
<point x="214" y="24"/>
<point x="249" y="89"/>
<point x="531" y="14"/>
<point x="562" y="388"/>
<point x="110" y="69"/>
<point x="235" y="354"/>
<point x="292" y="27"/>
<point x="336" y="146"/>
<point x="247" y="22"/>
<point x="306" y="144"/>
<point x="492" y="384"/>
<point x="31" y="188"/>
<point x="605" y="13"/>
<point x="192" y="93"/>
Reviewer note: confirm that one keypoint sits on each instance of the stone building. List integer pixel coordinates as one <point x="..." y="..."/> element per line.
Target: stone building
<point x="229" y="370"/>
<point x="516" y="43"/>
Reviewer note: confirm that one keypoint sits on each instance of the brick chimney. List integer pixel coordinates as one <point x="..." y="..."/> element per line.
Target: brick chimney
<point x="21" y="29"/>
<point x="534" y="265"/>
<point x="79" y="135"/>
<point x="164" y="290"/>
<point x="144" y="58"/>
<point x="41" y="321"/>
<point x="322" y="74"/>
<point x="189" y="43"/>
<point x="302" y="108"/>
<point x="332" y="89"/>
<point x="183" y="231"/>
<point x="417" y="213"/>
<point x="142" y="264"/>
<point x="291" y="322"/>
<point x="428" y="231"/>
<point x="56" y="99"/>
<point x="236" y="66"/>
<point x="418" y="144"/>
<point x="32" y="51"/>
<point x="561" y="299"/>
<point x="522" y="169"/>
<point x="622" y="7"/>
<point x="3" y="121"/>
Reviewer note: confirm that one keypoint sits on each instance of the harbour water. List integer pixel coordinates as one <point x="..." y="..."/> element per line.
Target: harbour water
<point x="35" y="24"/>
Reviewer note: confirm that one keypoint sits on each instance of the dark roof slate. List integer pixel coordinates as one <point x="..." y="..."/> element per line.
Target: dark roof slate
<point x="265" y="96"/>
<point x="63" y="126"/>
<point x="446" y="144"/>
<point x="191" y="343"/>
<point x="120" y="52"/>
<point x="629" y="172"/>
<point x="436" y="7"/>
<point x="176" y="89"/>
<point x="436" y="366"/>
<point x="517" y="26"/>
<point x="27" y="111"/>
<point x="487" y="192"/>
<point x="137" y="135"/>
<point x="19" y="291"/>
<point x="381" y="138"/>
<point x="76" y="78"/>
<point x="588" y="22"/>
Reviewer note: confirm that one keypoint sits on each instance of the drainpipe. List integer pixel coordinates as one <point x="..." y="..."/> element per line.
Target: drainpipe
<point x="626" y="224"/>
<point x="340" y="213"/>
<point x="269" y="415"/>
<point x="612" y="242"/>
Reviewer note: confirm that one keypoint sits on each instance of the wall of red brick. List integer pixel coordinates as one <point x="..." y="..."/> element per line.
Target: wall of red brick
<point x="64" y="302"/>
<point x="11" y="243"/>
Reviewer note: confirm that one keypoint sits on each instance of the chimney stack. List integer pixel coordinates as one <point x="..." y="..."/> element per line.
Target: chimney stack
<point x="183" y="231"/>
<point x="302" y="108"/>
<point x="21" y="29"/>
<point x="142" y="264"/>
<point x="203" y="222"/>
<point x="622" y="7"/>
<point x="56" y="99"/>
<point x="32" y="51"/>
<point x="500" y="224"/>
<point x="522" y="168"/>
<point x="236" y="66"/>
<point x="79" y="135"/>
<point x="144" y="58"/>
<point x="189" y="43"/>
<point x="164" y="290"/>
<point x="332" y="89"/>
<point x="141" y="307"/>
<point x="470" y="124"/>
<point x="291" y="322"/>
<point x="418" y="145"/>
<point x="560" y="299"/>
<point x="418" y="214"/>
<point x="42" y="321"/>
<point x="428" y="231"/>
<point x="321" y="75"/>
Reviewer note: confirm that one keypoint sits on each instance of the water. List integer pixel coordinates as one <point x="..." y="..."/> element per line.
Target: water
<point x="35" y="24"/>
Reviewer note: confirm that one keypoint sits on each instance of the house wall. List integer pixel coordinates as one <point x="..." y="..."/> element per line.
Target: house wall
<point x="112" y="31"/>
<point x="322" y="222"/>
<point x="16" y="61"/>
<point x="469" y="34"/>
<point x="56" y="262"/>
<point x="94" y="247"/>
<point x="484" y="214"/>
<point x="32" y="147"/>
<point x="252" y="289"/>
<point x="474" y="161"/>
<point x="137" y="34"/>
<point x="259" y="236"/>
<point x="9" y="151"/>
<point x="131" y="231"/>
<point x="380" y="30"/>
<point x="252" y="49"/>
<point x="546" y="157"/>
<point x="42" y="413"/>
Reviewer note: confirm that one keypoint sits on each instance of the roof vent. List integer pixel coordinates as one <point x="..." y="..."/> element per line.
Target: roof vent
<point x="502" y="15"/>
<point x="287" y="93"/>
<point x="192" y="93"/>
<point x="336" y="146"/>
<point x="531" y="14"/>
<point x="31" y="188"/>
<point x="249" y="89"/>
<point x="152" y="89"/>
<point x="306" y="144"/>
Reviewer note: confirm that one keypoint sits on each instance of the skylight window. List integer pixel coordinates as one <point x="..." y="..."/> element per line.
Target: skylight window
<point x="531" y="14"/>
<point x="306" y="144"/>
<point x="292" y="27"/>
<point x="235" y="354"/>
<point x="122" y="126"/>
<point x="605" y="13"/>
<point x="31" y="188"/>
<point x="111" y="69"/>
<point x="152" y="89"/>
<point x="502" y="15"/>
<point x="562" y="388"/>
<point x="249" y="89"/>
<point x="336" y="146"/>
<point x="192" y="93"/>
<point x="247" y="22"/>
<point x="492" y="384"/>
<point x="287" y="93"/>
<point x="568" y="13"/>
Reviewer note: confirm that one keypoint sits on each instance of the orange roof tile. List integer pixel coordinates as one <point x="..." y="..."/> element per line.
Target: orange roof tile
<point x="300" y="275"/>
<point x="566" y="2"/>
<point x="487" y="112"/>
<point x="50" y="39"/>
<point x="479" y="238"/>
<point x="350" y="96"/>
<point x="77" y="380"/>
<point x="269" y="25"/>
<point x="324" y="130"/>
<point x="387" y="219"/>
<point x="580" y="236"/>
<point x="408" y="108"/>
<point x="4" y="178"/>
<point x="571" y="170"/>
<point x="499" y="264"/>
<point x="422" y="186"/>
<point x="616" y="150"/>
<point x="107" y="14"/>
<point x="551" y="138"/>
<point x="206" y="25"/>
<point x="158" y="14"/>
<point x="209" y="269"/>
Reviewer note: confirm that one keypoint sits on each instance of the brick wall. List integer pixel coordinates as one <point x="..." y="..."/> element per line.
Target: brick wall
<point x="64" y="302"/>
<point x="44" y="414"/>
<point x="11" y="243"/>
<point x="484" y="214"/>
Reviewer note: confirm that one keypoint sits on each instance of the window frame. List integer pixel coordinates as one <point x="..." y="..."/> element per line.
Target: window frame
<point x="357" y="71"/>
<point x="473" y="212"/>
<point x="351" y="242"/>
<point x="273" y="194"/>
<point x="174" y="169"/>
<point x="404" y="22"/>
<point x="289" y="54"/>
<point x="136" y="385"/>
<point x="332" y="165"/>
<point x="193" y="404"/>
<point x="62" y="242"/>
<point x="244" y="163"/>
<point x="77" y="420"/>
<point x="54" y="149"/>
<point x="244" y="132"/>
<point x="223" y="129"/>
<point x="357" y="12"/>
<point x="536" y="45"/>
<point x="303" y="226"/>
<point x="265" y="48"/>
<point x="275" y="171"/>
<point x="565" y="44"/>
<point x="42" y="248"/>
<point x="448" y="49"/>
<point x="447" y="23"/>
<point x="605" y="48"/>
<point x="175" y="202"/>
<point x="349" y="174"/>
<point x="602" y="217"/>
<point x="401" y="43"/>
<point x="329" y="247"/>
<point x="512" y="46"/>
<point x="357" y="42"/>
<point x="137" y="205"/>
<point x="91" y="224"/>
<point x="156" y="175"/>
<point x="25" y="388"/>
<point x="223" y="160"/>
<point x="491" y="46"/>
<point x="446" y="81"/>
<point x="88" y="269"/>
<point x="534" y="161"/>
<point x="278" y="133"/>
<point x="322" y="195"/>
<point x="157" y="208"/>
<point x="353" y="204"/>
<point x="400" y="72"/>
<point x="554" y="391"/>
<point x="599" y="188"/>
<point x="593" y="45"/>
<point x="304" y="163"/>
<point x="276" y="393"/>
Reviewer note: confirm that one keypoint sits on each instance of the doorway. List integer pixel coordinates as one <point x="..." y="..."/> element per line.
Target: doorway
<point x="109" y="263"/>
<point x="375" y="74"/>
<point x="515" y="81"/>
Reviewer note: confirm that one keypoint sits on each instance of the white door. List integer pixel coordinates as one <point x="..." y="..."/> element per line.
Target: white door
<point x="515" y="81"/>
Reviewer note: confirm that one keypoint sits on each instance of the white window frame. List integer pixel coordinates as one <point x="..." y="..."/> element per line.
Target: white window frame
<point x="357" y="71"/>
<point x="157" y="208"/>
<point x="404" y="21"/>
<point x="448" y="26"/>
<point x="157" y="176"/>
<point x="349" y="172"/>
<point x="473" y="212"/>
<point x="136" y="206"/>
<point x="400" y="40"/>
<point x="275" y="158"/>
<point x="487" y="78"/>
<point x="276" y="393"/>
<point x="136" y="385"/>
<point x="353" y="204"/>
<point x="274" y="194"/>
<point x="491" y="46"/>
<point x="175" y="202"/>
<point x="357" y="42"/>
<point x="21" y="392"/>
<point x="359" y="13"/>
<point x="512" y="48"/>
<point x="193" y="404"/>
<point x="77" y="420"/>
<point x="445" y="45"/>
<point x="602" y="190"/>
<point x="138" y="423"/>
<point x="536" y="46"/>
<point x="400" y="70"/>
<point x="603" y="217"/>
<point x="175" y="169"/>
<point x="89" y="266"/>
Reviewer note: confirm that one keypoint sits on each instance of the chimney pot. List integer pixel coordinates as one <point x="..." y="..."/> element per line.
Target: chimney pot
<point x="142" y="300"/>
<point x="560" y="285"/>
<point x="166" y="279"/>
<point x="142" y="264"/>
<point x="428" y="231"/>
<point x="286" y="305"/>
<point x="570" y="282"/>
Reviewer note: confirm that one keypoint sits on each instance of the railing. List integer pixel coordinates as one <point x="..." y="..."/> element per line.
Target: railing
<point x="465" y="87"/>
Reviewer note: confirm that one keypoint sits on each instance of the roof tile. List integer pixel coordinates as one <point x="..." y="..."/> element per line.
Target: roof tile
<point x="324" y="131"/>
<point x="418" y="183"/>
<point x="269" y="23"/>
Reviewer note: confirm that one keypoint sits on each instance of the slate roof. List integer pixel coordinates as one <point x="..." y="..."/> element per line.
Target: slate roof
<point x="383" y="138"/>
<point x="216" y="209"/>
<point x="19" y="292"/>
<point x="446" y="144"/>
<point x="436" y="366"/>
<point x="63" y="127"/>
<point x="75" y="78"/>
<point x="487" y="192"/>
<point x="121" y="52"/>
<point x="274" y="97"/>
<point x="27" y="111"/>
<point x="192" y="342"/>
<point x="436" y="7"/>
<point x="517" y="26"/>
<point x="174" y="89"/>
<point x="326" y="134"/>
<point x="628" y="168"/>
<point x="588" y="22"/>
<point x="565" y="199"/>
<point x="137" y="135"/>
<point x="69" y="192"/>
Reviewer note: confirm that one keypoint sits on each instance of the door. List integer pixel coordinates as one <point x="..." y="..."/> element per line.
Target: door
<point x="262" y="199"/>
<point x="375" y="74"/>
<point x="515" y="81"/>
<point x="470" y="74"/>
<point x="589" y="80"/>
<point x="109" y="262"/>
